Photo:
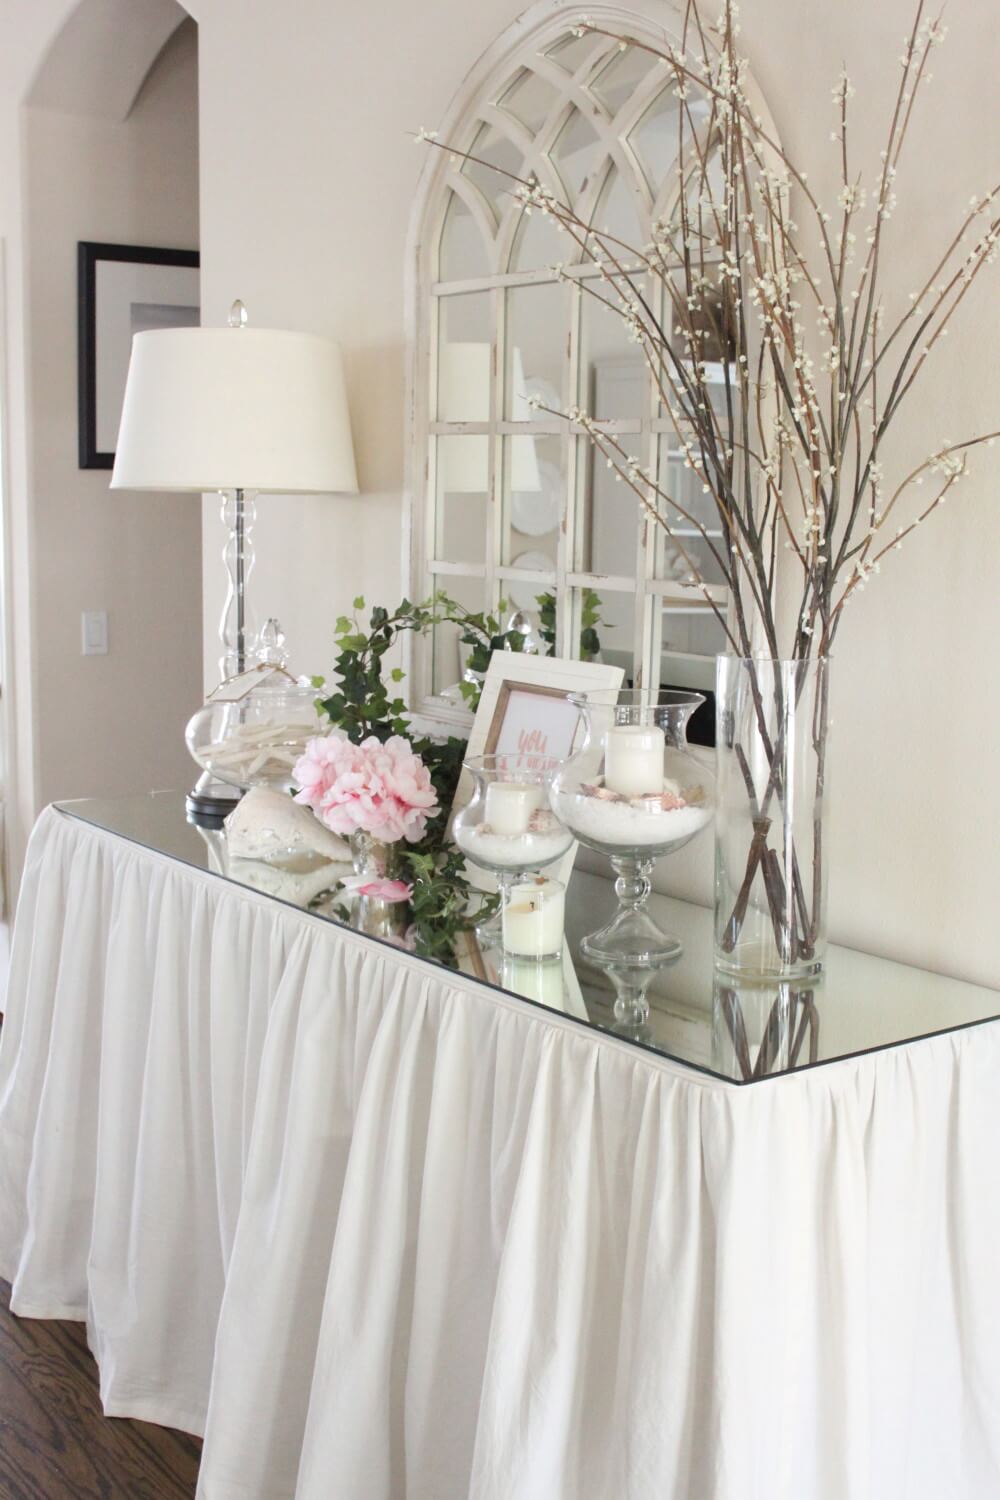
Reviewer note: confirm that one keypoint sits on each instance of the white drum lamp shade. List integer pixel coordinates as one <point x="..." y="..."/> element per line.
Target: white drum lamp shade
<point x="235" y="409"/>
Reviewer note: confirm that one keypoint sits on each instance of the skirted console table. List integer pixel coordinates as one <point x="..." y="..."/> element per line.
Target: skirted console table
<point x="385" y="1231"/>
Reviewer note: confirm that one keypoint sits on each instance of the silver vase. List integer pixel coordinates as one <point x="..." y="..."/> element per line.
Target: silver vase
<point x="373" y="857"/>
<point x="375" y="915"/>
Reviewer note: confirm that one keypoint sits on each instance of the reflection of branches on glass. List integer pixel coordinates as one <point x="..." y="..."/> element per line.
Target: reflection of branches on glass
<point x="590" y="620"/>
<point x="789" y="1035"/>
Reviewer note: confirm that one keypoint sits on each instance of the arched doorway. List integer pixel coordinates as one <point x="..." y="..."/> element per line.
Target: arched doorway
<point x="109" y="152"/>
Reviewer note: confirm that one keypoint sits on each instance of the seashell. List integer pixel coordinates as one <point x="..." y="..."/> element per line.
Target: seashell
<point x="287" y="885"/>
<point x="542" y="821"/>
<point x="647" y="802"/>
<point x="267" y="823"/>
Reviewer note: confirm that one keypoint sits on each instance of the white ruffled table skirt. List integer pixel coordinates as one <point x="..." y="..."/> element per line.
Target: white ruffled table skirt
<point x="383" y="1234"/>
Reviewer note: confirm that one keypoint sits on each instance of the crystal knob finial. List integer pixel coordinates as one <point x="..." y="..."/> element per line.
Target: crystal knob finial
<point x="237" y="315"/>
<point x="522" y="623"/>
<point x="271" y="652"/>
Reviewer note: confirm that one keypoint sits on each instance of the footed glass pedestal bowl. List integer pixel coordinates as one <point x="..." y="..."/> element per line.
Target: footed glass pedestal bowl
<point x="634" y="791"/>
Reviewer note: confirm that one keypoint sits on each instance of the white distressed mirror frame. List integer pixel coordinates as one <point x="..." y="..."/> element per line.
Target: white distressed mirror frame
<point x="524" y="44"/>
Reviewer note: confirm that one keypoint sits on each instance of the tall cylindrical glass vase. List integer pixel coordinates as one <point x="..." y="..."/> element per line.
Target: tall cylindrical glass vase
<point x="770" y="848"/>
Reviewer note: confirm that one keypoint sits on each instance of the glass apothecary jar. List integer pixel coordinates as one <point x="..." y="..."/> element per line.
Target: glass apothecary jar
<point x="256" y="740"/>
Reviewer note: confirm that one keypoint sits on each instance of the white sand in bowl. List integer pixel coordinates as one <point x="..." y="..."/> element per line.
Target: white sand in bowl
<point x="518" y="851"/>
<point x="620" y="826"/>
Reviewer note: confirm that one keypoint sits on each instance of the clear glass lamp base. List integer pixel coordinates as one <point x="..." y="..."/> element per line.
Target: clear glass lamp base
<point x="632" y="946"/>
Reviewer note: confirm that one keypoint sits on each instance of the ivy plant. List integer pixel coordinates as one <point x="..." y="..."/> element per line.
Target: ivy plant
<point x="483" y="633"/>
<point x="366" y="701"/>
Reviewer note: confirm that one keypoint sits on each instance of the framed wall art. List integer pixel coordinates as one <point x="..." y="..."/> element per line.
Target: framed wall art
<point x="123" y="290"/>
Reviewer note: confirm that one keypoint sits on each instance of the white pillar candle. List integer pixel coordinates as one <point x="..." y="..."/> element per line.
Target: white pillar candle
<point x="509" y="805"/>
<point x="633" y="759"/>
<point x="533" y="919"/>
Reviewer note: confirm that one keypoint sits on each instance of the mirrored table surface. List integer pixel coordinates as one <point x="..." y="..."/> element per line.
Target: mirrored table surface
<point x="744" y="1034"/>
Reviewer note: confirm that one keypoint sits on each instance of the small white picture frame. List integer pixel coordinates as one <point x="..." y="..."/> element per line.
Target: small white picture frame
<point x="513" y="680"/>
<point x="524" y="708"/>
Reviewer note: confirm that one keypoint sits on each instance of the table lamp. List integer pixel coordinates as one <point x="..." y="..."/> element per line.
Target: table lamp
<point x="240" y="410"/>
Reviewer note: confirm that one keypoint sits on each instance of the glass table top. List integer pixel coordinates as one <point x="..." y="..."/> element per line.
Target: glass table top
<point x="743" y="1034"/>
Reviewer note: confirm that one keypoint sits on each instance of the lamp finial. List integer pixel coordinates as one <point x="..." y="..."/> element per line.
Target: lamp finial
<point x="237" y="315"/>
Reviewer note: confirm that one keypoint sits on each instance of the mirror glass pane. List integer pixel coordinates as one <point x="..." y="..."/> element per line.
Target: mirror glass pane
<point x="612" y="368"/>
<point x="461" y="510"/>
<point x="536" y="341"/>
<point x="708" y="323"/>
<point x="613" y="159"/>
<point x="463" y="465"/>
<point x="539" y="243"/>
<point x="655" y="138"/>
<point x="612" y="511"/>
<point x="535" y="498"/>
<point x="611" y="537"/>
<point x="617" y="215"/>
<point x="577" y="154"/>
<point x="684" y="487"/>
<point x="529" y="99"/>
<point x="690" y="628"/>
<point x="700" y="183"/>
<point x="448" y="655"/>
<point x="464" y="327"/>
<point x="496" y="157"/>
<point x="571" y="52"/>
<point x="617" y="82"/>
<point x="463" y="254"/>
<point x="524" y="594"/>
<point x="600" y="639"/>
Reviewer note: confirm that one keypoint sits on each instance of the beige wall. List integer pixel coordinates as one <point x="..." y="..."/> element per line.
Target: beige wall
<point x="108" y="724"/>
<point x="308" y="172"/>
<point x="27" y="31"/>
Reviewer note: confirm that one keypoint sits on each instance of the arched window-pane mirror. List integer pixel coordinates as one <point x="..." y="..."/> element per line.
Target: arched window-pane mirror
<point x="509" y="499"/>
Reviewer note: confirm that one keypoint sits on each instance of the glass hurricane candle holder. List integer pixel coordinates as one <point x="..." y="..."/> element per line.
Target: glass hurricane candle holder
<point x="634" y="791"/>
<point x="507" y="828"/>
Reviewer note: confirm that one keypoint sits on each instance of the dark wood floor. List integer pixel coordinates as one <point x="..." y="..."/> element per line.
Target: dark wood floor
<point x="56" y="1443"/>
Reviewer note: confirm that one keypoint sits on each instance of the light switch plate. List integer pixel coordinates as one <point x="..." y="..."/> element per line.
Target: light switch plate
<point x="94" y="632"/>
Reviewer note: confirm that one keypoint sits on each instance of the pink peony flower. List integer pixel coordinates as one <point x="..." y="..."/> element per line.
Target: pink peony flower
<point x="384" y="790"/>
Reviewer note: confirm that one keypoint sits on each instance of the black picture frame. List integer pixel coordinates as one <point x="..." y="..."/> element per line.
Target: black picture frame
<point x="89" y="253"/>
